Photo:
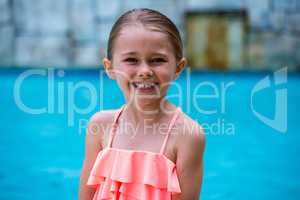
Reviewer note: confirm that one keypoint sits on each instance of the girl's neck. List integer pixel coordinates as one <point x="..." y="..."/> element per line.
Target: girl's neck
<point x="147" y="113"/>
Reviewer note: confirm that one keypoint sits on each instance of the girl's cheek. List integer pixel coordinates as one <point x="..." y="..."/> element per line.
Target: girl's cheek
<point x="165" y="76"/>
<point x="124" y="72"/>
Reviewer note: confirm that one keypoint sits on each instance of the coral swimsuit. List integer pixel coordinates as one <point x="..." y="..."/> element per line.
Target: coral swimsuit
<point x="120" y="174"/>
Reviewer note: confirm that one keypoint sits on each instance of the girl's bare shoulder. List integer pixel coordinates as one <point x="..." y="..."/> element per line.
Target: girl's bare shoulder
<point x="100" y="124"/>
<point x="189" y="132"/>
<point x="103" y="116"/>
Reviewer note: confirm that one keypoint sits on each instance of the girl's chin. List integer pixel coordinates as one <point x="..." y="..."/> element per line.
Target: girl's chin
<point x="145" y="97"/>
<point x="142" y="97"/>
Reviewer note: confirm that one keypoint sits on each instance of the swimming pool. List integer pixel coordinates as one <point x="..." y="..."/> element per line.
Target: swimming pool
<point x="42" y="143"/>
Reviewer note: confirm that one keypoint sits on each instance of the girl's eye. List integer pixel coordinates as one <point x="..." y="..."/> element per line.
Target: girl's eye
<point x="131" y="60"/>
<point x="158" y="60"/>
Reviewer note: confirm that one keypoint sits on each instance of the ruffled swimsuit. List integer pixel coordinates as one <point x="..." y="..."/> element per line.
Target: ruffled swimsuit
<point x="120" y="174"/>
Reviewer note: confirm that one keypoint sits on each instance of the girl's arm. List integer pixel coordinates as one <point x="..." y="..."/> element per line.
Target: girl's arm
<point x="189" y="165"/>
<point x="93" y="144"/>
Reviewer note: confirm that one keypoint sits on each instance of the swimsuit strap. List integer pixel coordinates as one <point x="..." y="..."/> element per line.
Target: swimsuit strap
<point x="115" y="125"/>
<point x="170" y="128"/>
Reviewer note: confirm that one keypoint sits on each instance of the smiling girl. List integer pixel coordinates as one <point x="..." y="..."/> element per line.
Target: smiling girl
<point x="160" y="157"/>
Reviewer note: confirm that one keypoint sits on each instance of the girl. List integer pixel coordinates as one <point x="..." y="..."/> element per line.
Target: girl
<point x="148" y="149"/>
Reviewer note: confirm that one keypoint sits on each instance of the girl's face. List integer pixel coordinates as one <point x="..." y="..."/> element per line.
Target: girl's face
<point x="143" y="63"/>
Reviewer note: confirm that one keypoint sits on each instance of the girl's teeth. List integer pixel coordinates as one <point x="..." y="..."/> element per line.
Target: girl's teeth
<point x="144" y="85"/>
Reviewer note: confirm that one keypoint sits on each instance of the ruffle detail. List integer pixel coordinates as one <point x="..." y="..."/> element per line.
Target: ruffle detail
<point x="127" y="175"/>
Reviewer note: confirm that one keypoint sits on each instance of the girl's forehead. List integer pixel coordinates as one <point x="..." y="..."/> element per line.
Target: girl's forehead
<point x="139" y="38"/>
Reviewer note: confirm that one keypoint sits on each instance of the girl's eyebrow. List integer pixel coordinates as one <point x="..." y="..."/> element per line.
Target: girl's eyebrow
<point x="135" y="53"/>
<point x="129" y="53"/>
<point x="160" y="54"/>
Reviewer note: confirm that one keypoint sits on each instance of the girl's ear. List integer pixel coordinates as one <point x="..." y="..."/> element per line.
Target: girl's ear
<point x="108" y="68"/>
<point x="180" y="66"/>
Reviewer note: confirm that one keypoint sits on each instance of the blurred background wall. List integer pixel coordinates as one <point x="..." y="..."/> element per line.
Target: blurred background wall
<point x="218" y="34"/>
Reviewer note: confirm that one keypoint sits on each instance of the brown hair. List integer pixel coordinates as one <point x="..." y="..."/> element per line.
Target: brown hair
<point x="148" y="18"/>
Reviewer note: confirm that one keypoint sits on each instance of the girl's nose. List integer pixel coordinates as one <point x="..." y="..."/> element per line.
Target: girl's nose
<point x="145" y="71"/>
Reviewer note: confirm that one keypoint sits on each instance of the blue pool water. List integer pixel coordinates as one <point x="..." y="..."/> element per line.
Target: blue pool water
<point x="41" y="154"/>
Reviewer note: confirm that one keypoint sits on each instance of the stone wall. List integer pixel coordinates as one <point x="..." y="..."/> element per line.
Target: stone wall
<point x="68" y="33"/>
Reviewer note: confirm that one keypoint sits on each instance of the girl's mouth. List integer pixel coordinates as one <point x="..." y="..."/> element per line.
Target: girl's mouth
<point x="145" y="87"/>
